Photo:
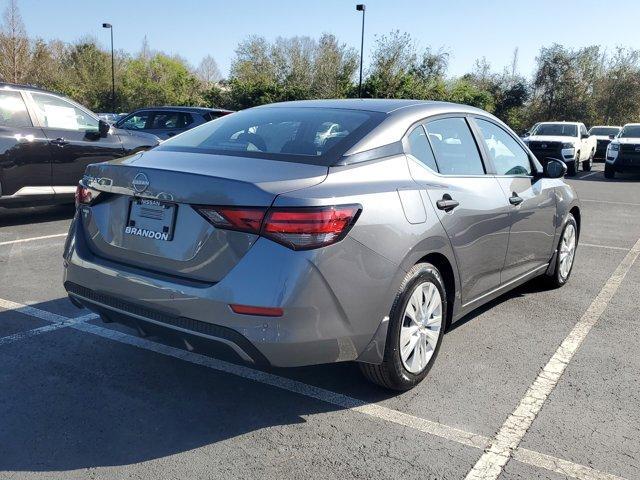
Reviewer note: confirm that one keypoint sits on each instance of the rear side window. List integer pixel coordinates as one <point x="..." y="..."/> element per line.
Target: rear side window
<point x="13" y="111"/>
<point x="508" y="156"/>
<point x="419" y="147"/>
<point x="454" y="147"/>
<point x="168" y="121"/>
<point x="294" y="134"/>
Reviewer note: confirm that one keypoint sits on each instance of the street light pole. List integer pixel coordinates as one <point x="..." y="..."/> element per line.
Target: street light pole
<point x="361" y="7"/>
<point x="113" y="71"/>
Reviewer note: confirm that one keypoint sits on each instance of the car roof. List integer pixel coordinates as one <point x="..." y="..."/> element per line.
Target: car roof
<point x="17" y="86"/>
<point x="170" y="108"/>
<point x="382" y="105"/>
<point x="606" y="126"/>
<point x="561" y="121"/>
<point x="632" y="124"/>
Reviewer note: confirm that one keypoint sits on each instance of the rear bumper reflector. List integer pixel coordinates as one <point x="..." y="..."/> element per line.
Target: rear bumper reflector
<point x="260" y="311"/>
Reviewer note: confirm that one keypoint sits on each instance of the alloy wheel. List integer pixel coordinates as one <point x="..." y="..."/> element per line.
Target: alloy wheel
<point x="421" y="325"/>
<point x="567" y="250"/>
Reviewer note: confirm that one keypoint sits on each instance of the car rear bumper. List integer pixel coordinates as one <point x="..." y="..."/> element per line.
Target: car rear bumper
<point x="333" y="299"/>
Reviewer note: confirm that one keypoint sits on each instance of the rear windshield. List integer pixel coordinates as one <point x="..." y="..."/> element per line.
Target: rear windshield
<point x="604" y="131"/>
<point x="630" y="131"/>
<point x="559" y="129"/>
<point x="296" y="134"/>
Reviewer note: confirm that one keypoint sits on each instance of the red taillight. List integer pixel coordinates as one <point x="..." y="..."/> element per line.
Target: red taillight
<point x="84" y="195"/>
<point x="234" y="218"/>
<point x="296" y="228"/>
<point x="304" y="228"/>
<point x="260" y="311"/>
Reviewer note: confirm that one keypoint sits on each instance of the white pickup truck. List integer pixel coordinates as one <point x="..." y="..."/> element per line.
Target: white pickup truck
<point x="566" y="141"/>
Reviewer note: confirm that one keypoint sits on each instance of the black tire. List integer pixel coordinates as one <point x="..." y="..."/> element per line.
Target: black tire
<point x="572" y="166"/>
<point x="391" y="373"/>
<point x="609" y="171"/>
<point x="586" y="165"/>
<point x="556" y="280"/>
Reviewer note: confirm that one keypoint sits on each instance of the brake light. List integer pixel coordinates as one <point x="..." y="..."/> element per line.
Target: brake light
<point x="296" y="228"/>
<point x="85" y="195"/>
<point x="234" y="218"/>
<point x="305" y="228"/>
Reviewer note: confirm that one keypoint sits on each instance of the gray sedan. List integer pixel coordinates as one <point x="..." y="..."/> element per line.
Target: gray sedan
<point x="321" y="231"/>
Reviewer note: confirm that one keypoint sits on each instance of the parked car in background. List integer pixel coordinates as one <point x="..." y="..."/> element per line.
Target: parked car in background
<point x="294" y="242"/>
<point x="567" y="141"/>
<point x="47" y="141"/>
<point x="111" y="118"/>
<point x="623" y="153"/>
<point x="165" y="122"/>
<point x="603" y="134"/>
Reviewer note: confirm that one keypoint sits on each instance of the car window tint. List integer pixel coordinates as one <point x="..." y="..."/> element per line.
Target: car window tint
<point x="286" y="133"/>
<point x="419" y="147"/>
<point x="136" y="121"/>
<point x="187" y="119"/>
<point x="507" y="155"/>
<point x="454" y="147"/>
<point x="13" y="111"/>
<point x="167" y="121"/>
<point x="54" y="112"/>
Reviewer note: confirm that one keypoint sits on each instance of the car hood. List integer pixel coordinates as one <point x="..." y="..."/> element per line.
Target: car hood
<point x="550" y="138"/>
<point x="627" y="140"/>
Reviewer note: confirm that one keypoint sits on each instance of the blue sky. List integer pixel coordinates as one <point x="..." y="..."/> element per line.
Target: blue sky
<point x="468" y="29"/>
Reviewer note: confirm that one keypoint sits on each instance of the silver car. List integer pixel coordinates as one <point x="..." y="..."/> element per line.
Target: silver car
<point x="291" y="247"/>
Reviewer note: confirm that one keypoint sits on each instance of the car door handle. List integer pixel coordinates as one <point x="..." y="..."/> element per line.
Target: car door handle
<point x="59" y="142"/>
<point x="515" y="199"/>
<point x="447" y="203"/>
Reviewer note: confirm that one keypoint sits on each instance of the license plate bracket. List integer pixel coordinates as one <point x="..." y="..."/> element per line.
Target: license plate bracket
<point x="151" y="219"/>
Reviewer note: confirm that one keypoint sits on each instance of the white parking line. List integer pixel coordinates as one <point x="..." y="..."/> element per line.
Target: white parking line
<point x="588" y="175"/>
<point x="32" y="239"/>
<point x="594" y="200"/>
<point x="526" y="456"/>
<point x="508" y="438"/>
<point x="47" y="328"/>
<point x="607" y="247"/>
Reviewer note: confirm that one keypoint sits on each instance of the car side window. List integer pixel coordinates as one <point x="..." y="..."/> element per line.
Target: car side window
<point x="167" y="121"/>
<point x="54" y="112"/>
<point x="507" y="155"/>
<point x="455" y="149"/>
<point x="419" y="147"/>
<point x="135" y="121"/>
<point x="583" y="130"/>
<point x="13" y="111"/>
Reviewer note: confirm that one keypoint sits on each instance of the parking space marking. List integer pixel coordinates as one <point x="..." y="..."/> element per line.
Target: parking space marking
<point x="594" y="200"/>
<point x="563" y="467"/>
<point x="510" y="434"/>
<point x="32" y="239"/>
<point x="47" y="328"/>
<point x="607" y="247"/>
<point x="588" y="175"/>
<point x="481" y="442"/>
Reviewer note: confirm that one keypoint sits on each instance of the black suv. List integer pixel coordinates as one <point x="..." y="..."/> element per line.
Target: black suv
<point x="165" y="122"/>
<point x="47" y="140"/>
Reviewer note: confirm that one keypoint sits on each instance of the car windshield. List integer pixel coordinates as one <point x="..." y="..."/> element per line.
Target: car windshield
<point x="295" y="134"/>
<point x="557" y="129"/>
<point x="604" y="131"/>
<point x="630" y="131"/>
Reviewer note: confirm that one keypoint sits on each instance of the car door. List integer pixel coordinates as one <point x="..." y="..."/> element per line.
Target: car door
<point x="74" y="139"/>
<point x="25" y="160"/>
<point x="532" y="201"/>
<point x="585" y="141"/>
<point x="445" y="160"/>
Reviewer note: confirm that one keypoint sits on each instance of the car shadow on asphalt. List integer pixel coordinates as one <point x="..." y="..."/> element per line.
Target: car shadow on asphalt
<point x="21" y="216"/>
<point x="72" y="400"/>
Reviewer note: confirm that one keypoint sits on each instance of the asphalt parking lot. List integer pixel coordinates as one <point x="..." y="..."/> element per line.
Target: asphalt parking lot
<point x="83" y="399"/>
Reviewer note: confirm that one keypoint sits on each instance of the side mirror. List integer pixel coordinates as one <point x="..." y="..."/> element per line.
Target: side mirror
<point x="103" y="128"/>
<point x="554" y="168"/>
<point x="526" y="134"/>
<point x="584" y="135"/>
<point x="612" y="136"/>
